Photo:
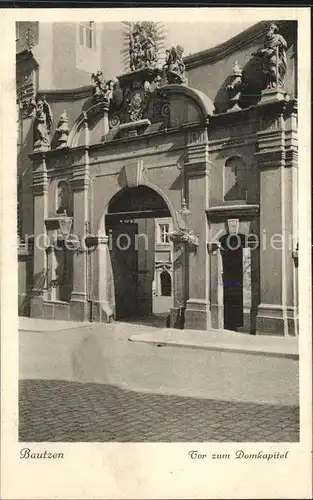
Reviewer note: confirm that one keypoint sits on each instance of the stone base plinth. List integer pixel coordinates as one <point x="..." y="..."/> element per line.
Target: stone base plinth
<point x="273" y="95"/>
<point x="197" y="315"/>
<point x="79" y="310"/>
<point x="102" y="312"/>
<point x="272" y="319"/>
<point x="177" y="317"/>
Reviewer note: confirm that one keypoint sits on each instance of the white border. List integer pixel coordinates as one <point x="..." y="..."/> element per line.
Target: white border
<point x="113" y="470"/>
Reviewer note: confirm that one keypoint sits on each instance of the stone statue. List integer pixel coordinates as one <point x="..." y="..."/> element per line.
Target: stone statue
<point x="273" y="56"/>
<point x="136" y="52"/>
<point x="102" y="89"/>
<point x="62" y="131"/>
<point x="143" y="46"/>
<point x="174" y="67"/>
<point x="42" y="125"/>
<point x="149" y="47"/>
<point x="234" y="89"/>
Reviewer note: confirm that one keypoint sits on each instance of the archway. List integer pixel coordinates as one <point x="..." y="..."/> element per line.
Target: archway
<point x="130" y="226"/>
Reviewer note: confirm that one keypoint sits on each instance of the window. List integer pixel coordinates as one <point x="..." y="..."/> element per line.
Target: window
<point x="87" y="34"/>
<point x="164" y="230"/>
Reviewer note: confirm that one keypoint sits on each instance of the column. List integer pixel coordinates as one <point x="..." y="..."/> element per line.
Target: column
<point x="79" y="307"/>
<point x="40" y="194"/>
<point x="197" y="315"/>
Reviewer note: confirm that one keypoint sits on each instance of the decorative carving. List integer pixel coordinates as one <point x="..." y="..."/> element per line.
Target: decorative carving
<point x="25" y="83"/>
<point x="136" y="97"/>
<point x="102" y="89"/>
<point x="42" y="125"/>
<point x="174" y="68"/>
<point x="131" y="175"/>
<point x="30" y="39"/>
<point x="62" y="131"/>
<point x="143" y="45"/>
<point x="235" y="88"/>
<point x="184" y="234"/>
<point x="273" y="57"/>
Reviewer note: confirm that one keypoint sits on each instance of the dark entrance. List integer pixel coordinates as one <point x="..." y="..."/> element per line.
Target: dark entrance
<point x="132" y="248"/>
<point x="166" y="284"/>
<point x="232" y="282"/>
<point x="123" y="252"/>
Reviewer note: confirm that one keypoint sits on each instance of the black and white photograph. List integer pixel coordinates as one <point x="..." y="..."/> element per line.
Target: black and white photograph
<point x="157" y="220"/>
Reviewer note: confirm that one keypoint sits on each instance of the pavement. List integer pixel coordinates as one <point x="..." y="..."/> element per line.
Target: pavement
<point x="222" y="340"/>
<point x="90" y="383"/>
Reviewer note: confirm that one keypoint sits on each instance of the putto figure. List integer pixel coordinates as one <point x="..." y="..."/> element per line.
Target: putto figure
<point x="174" y="67"/>
<point x="102" y="89"/>
<point x="42" y="124"/>
<point x="273" y="55"/>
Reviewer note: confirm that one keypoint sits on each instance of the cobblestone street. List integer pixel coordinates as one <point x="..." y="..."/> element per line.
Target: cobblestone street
<point x="53" y="410"/>
<point x="91" y="384"/>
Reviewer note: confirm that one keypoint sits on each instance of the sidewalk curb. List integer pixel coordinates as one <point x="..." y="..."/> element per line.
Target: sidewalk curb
<point x="218" y="348"/>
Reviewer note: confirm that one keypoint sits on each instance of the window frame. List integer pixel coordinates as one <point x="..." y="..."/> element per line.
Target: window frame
<point x="164" y="233"/>
<point x="85" y="31"/>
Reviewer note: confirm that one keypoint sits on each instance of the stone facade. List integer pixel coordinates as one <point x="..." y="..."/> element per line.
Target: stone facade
<point x="221" y="168"/>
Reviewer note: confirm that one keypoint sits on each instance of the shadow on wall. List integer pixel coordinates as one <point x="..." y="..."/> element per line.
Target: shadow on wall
<point x="254" y="82"/>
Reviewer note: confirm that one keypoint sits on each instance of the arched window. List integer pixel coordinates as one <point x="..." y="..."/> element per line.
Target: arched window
<point x="235" y="179"/>
<point x="166" y="284"/>
<point x="64" y="199"/>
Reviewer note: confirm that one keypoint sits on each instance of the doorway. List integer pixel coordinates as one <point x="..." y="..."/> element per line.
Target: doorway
<point x="166" y="284"/>
<point x="232" y="258"/>
<point x="131" y="228"/>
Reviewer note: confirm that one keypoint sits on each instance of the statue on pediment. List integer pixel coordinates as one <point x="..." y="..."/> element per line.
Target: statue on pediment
<point x="143" y="46"/>
<point x="102" y="89"/>
<point x="42" y="124"/>
<point x="273" y="57"/>
<point x="62" y="131"/>
<point x="174" y="66"/>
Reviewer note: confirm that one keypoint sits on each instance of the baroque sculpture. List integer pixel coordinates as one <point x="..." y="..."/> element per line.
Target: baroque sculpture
<point x="102" y="89"/>
<point x="42" y="124"/>
<point x="235" y="88"/>
<point x="62" y="131"/>
<point x="273" y="57"/>
<point x="143" y="46"/>
<point x="174" y="68"/>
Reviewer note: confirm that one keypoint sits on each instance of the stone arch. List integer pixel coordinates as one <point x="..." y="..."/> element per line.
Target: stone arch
<point x="111" y="281"/>
<point x="101" y="231"/>
<point x="200" y="98"/>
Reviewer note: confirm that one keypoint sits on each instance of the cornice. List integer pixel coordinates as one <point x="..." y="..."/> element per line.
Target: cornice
<point x="235" y="43"/>
<point x="237" y="211"/>
<point x="67" y="94"/>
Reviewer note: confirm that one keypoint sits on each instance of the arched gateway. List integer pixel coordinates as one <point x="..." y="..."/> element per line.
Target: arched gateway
<point x="151" y="149"/>
<point x="130" y="229"/>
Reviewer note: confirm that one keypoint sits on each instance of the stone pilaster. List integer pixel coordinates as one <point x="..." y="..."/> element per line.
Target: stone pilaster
<point x="40" y="194"/>
<point x="80" y="184"/>
<point x="197" y="164"/>
<point x="103" y="283"/>
<point x="180" y="283"/>
<point x="276" y="311"/>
